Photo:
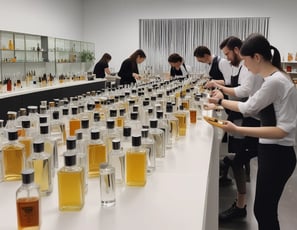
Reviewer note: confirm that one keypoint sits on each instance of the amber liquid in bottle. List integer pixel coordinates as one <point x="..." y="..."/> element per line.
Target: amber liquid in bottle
<point x="74" y="124"/>
<point x="97" y="155"/>
<point x="193" y="116"/>
<point x="136" y="166"/>
<point x="71" y="189"/>
<point x="28" y="213"/>
<point x="13" y="162"/>
<point x="120" y="121"/>
<point x="27" y="142"/>
<point x="182" y="123"/>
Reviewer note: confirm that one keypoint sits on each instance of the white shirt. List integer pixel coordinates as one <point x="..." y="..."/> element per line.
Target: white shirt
<point x="279" y="90"/>
<point x="226" y="68"/>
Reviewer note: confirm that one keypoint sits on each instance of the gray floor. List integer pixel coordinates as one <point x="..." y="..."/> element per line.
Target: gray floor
<point x="287" y="205"/>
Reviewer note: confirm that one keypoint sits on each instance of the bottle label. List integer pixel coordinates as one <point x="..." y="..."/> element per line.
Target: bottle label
<point x="28" y="211"/>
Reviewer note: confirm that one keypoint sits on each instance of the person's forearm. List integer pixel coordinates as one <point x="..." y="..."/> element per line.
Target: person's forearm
<point x="227" y="90"/>
<point x="231" y="105"/>
<point x="262" y="132"/>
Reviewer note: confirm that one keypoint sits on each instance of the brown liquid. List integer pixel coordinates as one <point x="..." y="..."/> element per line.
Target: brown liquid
<point x="193" y="116"/>
<point x="13" y="160"/>
<point x="120" y="122"/>
<point x="74" y="124"/>
<point x="28" y="213"/>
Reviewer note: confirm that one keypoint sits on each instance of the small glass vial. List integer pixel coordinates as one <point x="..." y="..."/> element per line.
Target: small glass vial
<point x="26" y="137"/>
<point x="117" y="160"/>
<point x="13" y="157"/>
<point x="159" y="137"/>
<point x="28" y="202"/>
<point x="107" y="185"/>
<point x="42" y="165"/>
<point x="96" y="150"/>
<point x="149" y="145"/>
<point x="71" y="185"/>
<point x="136" y="163"/>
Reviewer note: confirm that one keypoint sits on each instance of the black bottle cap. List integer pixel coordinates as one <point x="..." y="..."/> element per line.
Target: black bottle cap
<point x="136" y="141"/>
<point x="133" y="115"/>
<point x="153" y="123"/>
<point x="44" y="129"/>
<point x="113" y="113"/>
<point x="160" y="95"/>
<point x="90" y="106"/>
<point x="28" y="176"/>
<point x="42" y="119"/>
<point x="95" y="134"/>
<point x="70" y="160"/>
<point x="153" y="98"/>
<point x="116" y="144"/>
<point x="65" y="111"/>
<point x="122" y="111"/>
<point x="127" y="93"/>
<point x="145" y="103"/>
<point x="181" y="107"/>
<point x="84" y="123"/>
<point x="150" y="110"/>
<point x="71" y="142"/>
<point x="145" y="126"/>
<point x="26" y="124"/>
<point x="160" y="114"/>
<point x="79" y="134"/>
<point x="135" y="108"/>
<point x="74" y="110"/>
<point x="144" y="133"/>
<point x="12" y="135"/>
<point x="38" y="146"/>
<point x="56" y="115"/>
<point x="127" y="131"/>
<point x="133" y="91"/>
<point x="96" y="117"/>
<point x="110" y="124"/>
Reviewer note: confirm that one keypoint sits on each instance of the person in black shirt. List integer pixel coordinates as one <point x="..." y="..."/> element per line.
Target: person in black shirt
<point x="129" y="70"/>
<point x="178" y="67"/>
<point x="102" y="66"/>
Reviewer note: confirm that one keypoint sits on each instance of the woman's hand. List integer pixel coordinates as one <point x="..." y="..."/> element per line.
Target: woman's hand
<point x="217" y="94"/>
<point x="209" y="106"/>
<point x="136" y="76"/>
<point x="229" y="127"/>
<point x="211" y="84"/>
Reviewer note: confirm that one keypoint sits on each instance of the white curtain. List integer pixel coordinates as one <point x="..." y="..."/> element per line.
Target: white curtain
<point x="161" y="37"/>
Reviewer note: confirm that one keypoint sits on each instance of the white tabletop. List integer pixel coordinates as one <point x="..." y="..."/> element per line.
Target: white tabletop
<point x="175" y="196"/>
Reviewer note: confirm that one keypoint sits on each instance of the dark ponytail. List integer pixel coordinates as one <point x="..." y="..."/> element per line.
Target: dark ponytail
<point x="257" y="43"/>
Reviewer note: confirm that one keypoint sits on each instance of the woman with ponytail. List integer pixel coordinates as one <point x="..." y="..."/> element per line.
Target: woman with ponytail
<point x="275" y="104"/>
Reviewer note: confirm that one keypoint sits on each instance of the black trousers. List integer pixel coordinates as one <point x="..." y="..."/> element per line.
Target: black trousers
<point x="276" y="164"/>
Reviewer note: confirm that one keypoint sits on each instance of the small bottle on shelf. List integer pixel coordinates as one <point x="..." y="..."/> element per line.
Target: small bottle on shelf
<point x="71" y="185"/>
<point x="136" y="164"/>
<point x="28" y="202"/>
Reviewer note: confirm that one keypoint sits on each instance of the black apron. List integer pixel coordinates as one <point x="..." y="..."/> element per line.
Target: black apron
<point x="214" y="72"/>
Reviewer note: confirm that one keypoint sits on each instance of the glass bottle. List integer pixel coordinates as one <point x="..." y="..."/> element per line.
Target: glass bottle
<point x="13" y="154"/>
<point x="172" y="125"/>
<point x="73" y="147"/>
<point x="26" y="137"/>
<point x="134" y="123"/>
<point x="163" y="125"/>
<point x="117" y="160"/>
<point x="159" y="137"/>
<point x="111" y="133"/>
<point x="71" y="185"/>
<point x="11" y="122"/>
<point x="182" y="121"/>
<point x="57" y="128"/>
<point x="107" y="185"/>
<point x="96" y="150"/>
<point x="121" y="118"/>
<point x="40" y="161"/>
<point x="136" y="163"/>
<point x="149" y="145"/>
<point x="28" y="202"/>
<point x="126" y="138"/>
<point x="50" y="145"/>
<point x="34" y="118"/>
<point x="2" y="141"/>
<point x="74" y="121"/>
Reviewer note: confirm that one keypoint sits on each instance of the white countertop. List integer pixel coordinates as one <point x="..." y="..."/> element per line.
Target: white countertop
<point x="28" y="90"/>
<point x="175" y="196"/>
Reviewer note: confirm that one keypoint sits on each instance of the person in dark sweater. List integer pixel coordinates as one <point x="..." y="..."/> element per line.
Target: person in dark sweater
<point x="102" y="66"/>
<point x="129" y="70"/>
<point x="178" y="67"/>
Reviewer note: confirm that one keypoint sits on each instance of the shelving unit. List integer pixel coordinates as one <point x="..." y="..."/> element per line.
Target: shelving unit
<point x="291" y="68"/>
<point x="22" y="53"/>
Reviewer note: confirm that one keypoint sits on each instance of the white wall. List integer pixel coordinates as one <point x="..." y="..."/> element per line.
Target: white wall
<point x="55" y="18"/>
<point x="113" y="24"/>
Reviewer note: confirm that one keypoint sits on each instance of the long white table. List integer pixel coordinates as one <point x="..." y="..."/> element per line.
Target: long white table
<point x="181" y="194"/>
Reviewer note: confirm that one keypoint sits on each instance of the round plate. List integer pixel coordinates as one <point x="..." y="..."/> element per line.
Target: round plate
<point x="214" y="121"/>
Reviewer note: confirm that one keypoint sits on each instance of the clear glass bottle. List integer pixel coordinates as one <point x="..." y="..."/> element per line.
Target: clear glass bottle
<point x="149" y="145"/>
<point x="26" y="137"/>
<point x="74" y="121"/>
<point x="28" y="202"/>
<point x="159" y="137"/>
<point x="40" y="161"/>
<point x="50" y="145"/>
<point x="173" y="125"/>
<point x="71" y="188"/>
<point x="34" y="118"/>
<point x="136" y="163"/>
<point x="13" y="157"/>
<point x="134" y="123"/>
<point x="120" y="120"/>
<point x="57" y="128"/>
<point x="126" y="138"/>
<point x="163" y="124"/>
<point x="107" y="185"/>
<point x="110" y="134"/>
<point x="11" y="122"/>
<point x="97" y="154"/>
<point x="117" y="160"/>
